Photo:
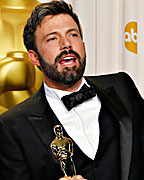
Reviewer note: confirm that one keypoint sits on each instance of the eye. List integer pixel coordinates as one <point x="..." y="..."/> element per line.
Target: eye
<point x="51" y="39"/>
<point x="73" y="35"/>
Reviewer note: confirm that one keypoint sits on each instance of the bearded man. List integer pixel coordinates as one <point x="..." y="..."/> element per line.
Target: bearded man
<point x="102" y="115"/>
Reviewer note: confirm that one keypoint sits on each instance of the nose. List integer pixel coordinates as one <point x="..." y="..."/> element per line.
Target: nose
<point x="65" y="43"/>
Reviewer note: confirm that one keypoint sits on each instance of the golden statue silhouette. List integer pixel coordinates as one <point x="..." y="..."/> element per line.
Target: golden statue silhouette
<point x="62" y="148"/>
<point x="19" y="79"/>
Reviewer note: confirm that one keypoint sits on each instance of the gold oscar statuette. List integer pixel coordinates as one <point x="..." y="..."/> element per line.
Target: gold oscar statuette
<point x="62" y="148"/>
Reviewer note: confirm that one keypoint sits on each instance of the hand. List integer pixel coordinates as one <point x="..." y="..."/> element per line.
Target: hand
<point x="77" y="177"/>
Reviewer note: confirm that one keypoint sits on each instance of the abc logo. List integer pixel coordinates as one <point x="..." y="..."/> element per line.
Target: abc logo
<point x="131" y="36"/>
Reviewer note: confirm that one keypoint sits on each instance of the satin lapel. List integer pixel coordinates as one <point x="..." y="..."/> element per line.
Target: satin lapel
<point x="110" y="97"/>
<point x="112" y="100"/>
<point x="42" y="118"/>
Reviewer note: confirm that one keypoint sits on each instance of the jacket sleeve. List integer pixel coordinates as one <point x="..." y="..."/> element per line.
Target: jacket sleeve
<point x="12" y="162"/>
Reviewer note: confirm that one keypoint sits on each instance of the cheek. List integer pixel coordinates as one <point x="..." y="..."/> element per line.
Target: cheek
<point x="50" y="53"/>
<point x="80" y="49"/>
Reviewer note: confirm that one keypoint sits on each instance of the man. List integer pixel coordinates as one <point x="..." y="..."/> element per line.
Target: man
<point x="105" y="124"/>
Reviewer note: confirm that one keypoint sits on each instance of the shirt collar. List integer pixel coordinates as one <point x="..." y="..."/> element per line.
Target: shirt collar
<point x="56" y="93"/>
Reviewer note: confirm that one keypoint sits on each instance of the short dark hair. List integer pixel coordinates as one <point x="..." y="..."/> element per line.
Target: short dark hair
<point x="51" y="8"/>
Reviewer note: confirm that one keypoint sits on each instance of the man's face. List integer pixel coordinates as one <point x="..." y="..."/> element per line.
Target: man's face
<point x="60" y="49"/>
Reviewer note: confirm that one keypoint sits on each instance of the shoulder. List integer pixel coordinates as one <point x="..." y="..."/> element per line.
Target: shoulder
<point x="19" y="109"/>
<point x="24" y="108"/>
<point x="119" y="81"/>
<point x="123" y="85"/>
<point x="109" y="79"/>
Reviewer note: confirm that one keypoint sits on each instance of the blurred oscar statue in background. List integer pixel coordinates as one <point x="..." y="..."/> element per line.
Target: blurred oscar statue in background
<point x="19" y="79"/>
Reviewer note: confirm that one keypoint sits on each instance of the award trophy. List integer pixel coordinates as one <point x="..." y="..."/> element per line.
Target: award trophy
<point x="62" y="148"/>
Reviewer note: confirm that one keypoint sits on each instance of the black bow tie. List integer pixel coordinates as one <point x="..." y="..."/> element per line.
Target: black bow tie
<point x="78" y="97"/>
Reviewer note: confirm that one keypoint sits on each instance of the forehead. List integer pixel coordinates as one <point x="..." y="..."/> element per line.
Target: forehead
<point x="58" y="129"/>
<point x="56" y="22"/>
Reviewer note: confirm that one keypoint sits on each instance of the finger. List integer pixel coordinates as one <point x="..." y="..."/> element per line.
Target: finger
<point x="79" y="177"/>
<point x="66" y="178"/>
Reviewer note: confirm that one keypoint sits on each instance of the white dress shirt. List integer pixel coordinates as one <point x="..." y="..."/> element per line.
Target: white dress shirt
<point x="81" y="122"/>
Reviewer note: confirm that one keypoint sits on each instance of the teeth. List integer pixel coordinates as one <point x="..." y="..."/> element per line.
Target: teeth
<point x="68" y="58"/>
<point x="67" y="63"/>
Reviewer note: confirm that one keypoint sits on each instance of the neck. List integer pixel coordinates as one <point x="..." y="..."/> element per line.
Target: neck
<point x="59" y="137"/>
<point x="65" y="87"/>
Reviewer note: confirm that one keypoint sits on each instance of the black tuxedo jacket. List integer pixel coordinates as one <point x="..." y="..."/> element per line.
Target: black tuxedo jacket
<point x="26" y="132"/>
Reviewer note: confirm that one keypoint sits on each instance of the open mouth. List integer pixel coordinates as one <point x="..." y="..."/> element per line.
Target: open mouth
<point x="68" y="60"/>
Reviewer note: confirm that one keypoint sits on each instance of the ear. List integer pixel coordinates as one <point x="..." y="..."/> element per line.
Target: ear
<point x="33" y="57"/>
<point x="84" y="45"/>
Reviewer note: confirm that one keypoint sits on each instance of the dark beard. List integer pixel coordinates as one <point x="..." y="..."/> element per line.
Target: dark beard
<point x="69" y="75"/>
